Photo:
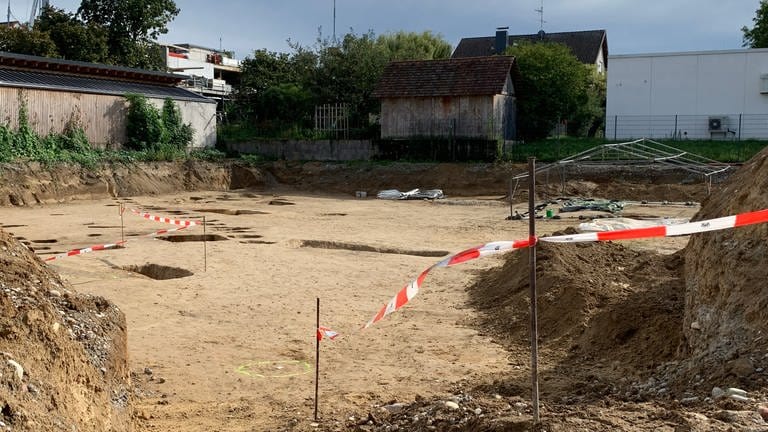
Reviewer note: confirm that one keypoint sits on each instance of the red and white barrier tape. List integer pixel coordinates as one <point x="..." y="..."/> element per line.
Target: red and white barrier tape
<point x="164" y="219"/>
<point x="74" y="252"/>
<point x="409" y="291"/>
<point x="165" y="231"/>
<point x="726" y="222"/>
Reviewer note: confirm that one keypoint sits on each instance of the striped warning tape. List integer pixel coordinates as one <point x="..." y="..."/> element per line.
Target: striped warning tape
<point x="164" y="219"/>
<point x="74" y="252"/>
<point x="727" y="222"/>
<point x="409" y="291"/>
<point x="165" y="231"/>
<point x="119" y="244"/>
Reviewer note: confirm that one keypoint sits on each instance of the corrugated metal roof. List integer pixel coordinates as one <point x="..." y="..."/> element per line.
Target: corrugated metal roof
<point x="476" y="76"/>
<point x="38" y="63"/>
<point x="70" y="83"/>
<point x="585" y="45"/>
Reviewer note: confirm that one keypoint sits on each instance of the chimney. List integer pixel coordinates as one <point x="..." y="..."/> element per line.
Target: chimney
<point x="502" y="39"/>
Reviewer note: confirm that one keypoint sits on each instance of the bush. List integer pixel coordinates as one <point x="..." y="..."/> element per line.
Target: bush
<point x="175" y="132"/>
<point x="143" y="125"/>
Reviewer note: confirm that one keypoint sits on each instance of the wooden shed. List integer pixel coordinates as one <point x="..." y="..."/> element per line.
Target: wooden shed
<point x="57" y="91"/>
<point x="455" y="98"/>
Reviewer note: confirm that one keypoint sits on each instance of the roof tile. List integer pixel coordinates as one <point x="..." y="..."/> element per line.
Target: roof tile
<point x="453" y="77"/>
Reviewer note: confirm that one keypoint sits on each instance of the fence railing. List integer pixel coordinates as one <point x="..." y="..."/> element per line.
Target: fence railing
<point x="681" y="127"/>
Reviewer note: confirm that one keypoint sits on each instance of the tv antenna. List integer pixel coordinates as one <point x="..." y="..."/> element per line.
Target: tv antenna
<point x="334" y="21"/>
<point x="541" y="16"/>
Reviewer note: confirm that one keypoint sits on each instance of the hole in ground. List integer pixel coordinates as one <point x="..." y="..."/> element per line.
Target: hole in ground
<point x="103" y="226"/>
<point x="322" y="244"/>
<point x="193" y="238"/>
<point x="250" y="236"/>
<point x="333" y="214"/>
<point x="256" y="242"/>
<point x="94" y="235"/>
<point x="12" y="226"/>
<point x="45" y="241"/>
<point x="159" y="272"/>
<point x="281" y="203"/>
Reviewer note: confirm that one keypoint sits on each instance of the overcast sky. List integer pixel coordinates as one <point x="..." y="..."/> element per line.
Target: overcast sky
<point x="633" y="26"/>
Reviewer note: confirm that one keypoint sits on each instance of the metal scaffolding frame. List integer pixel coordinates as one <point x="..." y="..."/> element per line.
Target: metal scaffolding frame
<point x="641" y="152"/>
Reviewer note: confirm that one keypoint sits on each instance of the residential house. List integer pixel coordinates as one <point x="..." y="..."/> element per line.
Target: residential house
<point x="211" y="73"/>
<point x="688" y="95"/>
<point x="462" y="97"/>
<point x="589" y="46"/>
<point x="57" y="92"/>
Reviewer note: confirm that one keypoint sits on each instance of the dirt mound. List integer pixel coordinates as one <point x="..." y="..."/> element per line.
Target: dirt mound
<point x="726" y="310"/>
<point x="63" y="362"/>
<point x="605" y="311"/>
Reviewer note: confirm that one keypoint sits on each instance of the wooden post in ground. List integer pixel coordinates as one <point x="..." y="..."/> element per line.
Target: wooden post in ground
<point x="532" y="283"/>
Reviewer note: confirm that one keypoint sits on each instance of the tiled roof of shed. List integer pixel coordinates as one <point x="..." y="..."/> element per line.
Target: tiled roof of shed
<point x="71" y="83"/>
<point x="585" y="45"/>
<point x="477" y="76"/>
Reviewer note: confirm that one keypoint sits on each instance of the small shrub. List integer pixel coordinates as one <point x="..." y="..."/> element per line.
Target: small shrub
<point x="143" y="124"/>
<point x="175" y="132"/>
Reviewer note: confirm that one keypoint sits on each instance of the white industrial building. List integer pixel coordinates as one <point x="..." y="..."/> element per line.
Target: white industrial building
<point x="688" y="95"/>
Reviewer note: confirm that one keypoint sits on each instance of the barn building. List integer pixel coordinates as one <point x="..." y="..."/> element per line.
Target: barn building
<point x="461" y="98"/>
<point x="57" y="92"/>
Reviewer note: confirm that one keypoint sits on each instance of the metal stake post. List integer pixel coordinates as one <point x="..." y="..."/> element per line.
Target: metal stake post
<point x="205" y="248"/>
<point x="317" y="357"/>
<point x="534" y="297"/>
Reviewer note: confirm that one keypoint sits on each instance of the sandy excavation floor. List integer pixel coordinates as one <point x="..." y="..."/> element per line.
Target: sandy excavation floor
<point x="231" y="348"/>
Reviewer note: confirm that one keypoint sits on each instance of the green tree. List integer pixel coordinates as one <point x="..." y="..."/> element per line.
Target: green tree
<point x="74" y="39"/>
<point x="348" y="73"/>
<point x="757" y="36"/>
<point x="553" y="86"/>
<point x="285" y="87"/>
<point x="589" y="117"/>
<point x="132" y="27"/>
<point x="24" y="41"/>
<point x="414" y="46"/>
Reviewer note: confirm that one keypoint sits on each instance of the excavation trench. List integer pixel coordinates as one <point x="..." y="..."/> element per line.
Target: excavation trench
<point x="159" y="272"/>
<point x="323" y="244"/>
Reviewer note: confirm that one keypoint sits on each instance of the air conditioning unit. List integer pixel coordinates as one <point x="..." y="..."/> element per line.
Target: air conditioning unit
<point x="716" y="124"/>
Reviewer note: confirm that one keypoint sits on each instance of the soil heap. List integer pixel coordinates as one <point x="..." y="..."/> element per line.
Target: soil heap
<point x="726" y="301"/>
<point x="607" y="314"/>
<point x="63" y="362"/>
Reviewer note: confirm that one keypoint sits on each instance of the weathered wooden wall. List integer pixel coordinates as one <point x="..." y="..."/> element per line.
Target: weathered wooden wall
<point x="464" y="116"/>
<point x="102" y="116"/>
